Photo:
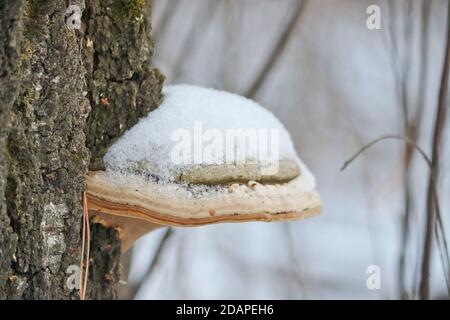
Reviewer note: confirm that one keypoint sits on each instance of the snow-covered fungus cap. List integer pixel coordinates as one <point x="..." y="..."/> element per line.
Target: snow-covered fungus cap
<point x="204" y="156"/>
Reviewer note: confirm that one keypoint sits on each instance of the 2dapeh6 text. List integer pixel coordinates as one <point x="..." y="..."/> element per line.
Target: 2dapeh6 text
<point x="226" y="309"/>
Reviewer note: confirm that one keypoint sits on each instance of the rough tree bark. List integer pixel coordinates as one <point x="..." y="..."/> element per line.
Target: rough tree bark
<point x="10" y="35"/>
<point x="65" y="96"/>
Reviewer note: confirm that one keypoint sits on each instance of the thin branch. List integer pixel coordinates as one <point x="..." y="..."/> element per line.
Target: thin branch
<point x="83" y="241"/>
<point x="86" y="238"/>
<point x="401" y="71"/>
<point x="437" y="138"/>
<point x="386" y="137"/>
<point x="440" y="234"/>
<point x="412" y="128"/>
<point x="277" y="50"/>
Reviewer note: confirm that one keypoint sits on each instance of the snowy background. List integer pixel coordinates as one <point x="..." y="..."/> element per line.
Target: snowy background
<point x="336" y="85"/>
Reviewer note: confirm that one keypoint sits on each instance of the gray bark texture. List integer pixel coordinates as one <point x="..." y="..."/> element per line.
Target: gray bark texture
<point x="65" y="96"/>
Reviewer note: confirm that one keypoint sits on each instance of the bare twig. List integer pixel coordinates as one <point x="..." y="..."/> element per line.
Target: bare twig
<point x="412" y="128"/>
<point x="86" y="238"/>
<point x="421" y="101"/>
<point x="440" y="234"/>
<point x="83" y="241"/>
<point x="277" y="50"/>
<point x="387" y="137"/>
<point x="437" y="137"/>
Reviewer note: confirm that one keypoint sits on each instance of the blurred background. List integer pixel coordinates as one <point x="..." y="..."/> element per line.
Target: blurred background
<point x="336" y="85"/>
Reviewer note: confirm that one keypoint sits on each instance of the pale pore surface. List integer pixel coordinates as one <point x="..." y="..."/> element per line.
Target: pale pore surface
<point x="190" y="108"/>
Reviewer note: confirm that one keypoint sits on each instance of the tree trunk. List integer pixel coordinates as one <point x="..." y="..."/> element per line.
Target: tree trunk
<point x="65" y="96"/>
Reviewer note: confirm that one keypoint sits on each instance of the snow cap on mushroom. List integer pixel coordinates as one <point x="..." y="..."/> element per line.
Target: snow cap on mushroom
<point x="200" y="127"/>
<point x="142" y="181"/>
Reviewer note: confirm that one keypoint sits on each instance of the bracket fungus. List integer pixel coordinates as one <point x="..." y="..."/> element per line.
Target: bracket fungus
<point x="204" y="156"/>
